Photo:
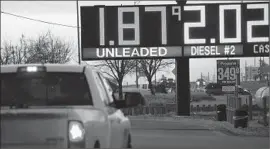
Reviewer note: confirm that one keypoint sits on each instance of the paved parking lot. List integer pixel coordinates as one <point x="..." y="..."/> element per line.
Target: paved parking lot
<point x="190" y="134"/>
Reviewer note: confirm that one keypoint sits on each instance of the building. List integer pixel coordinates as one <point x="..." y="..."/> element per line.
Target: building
<point x="250" y="73"/>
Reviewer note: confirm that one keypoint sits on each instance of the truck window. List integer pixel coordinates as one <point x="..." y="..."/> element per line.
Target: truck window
<point x="108" y="88"/>
<point x="61" y="89"/>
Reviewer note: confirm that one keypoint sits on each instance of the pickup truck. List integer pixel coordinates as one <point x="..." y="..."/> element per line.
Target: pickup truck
<point x="61" y="106"/>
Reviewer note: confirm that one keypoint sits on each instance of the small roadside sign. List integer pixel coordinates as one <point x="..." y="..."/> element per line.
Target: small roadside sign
<point x="228" y="72"/>
<point x="174" y="71"/>
<point x="228" y="88"/>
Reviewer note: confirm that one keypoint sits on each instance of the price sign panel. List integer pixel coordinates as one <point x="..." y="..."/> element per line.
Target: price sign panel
<point x="170" y="31"/>
<point x="219" y="30"/>
<point x="131" y="31"/>
<point x="228" y="72"/>
<point x="213" y="30"/>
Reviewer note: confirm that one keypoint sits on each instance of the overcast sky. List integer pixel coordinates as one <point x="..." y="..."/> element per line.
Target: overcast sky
<point x="64" y="12"/>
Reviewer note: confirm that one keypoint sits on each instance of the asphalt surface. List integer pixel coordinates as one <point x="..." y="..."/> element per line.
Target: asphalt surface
<point x="189" y="134"/>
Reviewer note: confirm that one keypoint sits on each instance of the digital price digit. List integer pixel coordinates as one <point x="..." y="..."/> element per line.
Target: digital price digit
<point x="220" y="73"/>
<point x="122" y="26"/>
<point x="232" y="74"/>
<point x="252" y="24"/>
<point x="202" y="23"/>
<point x="101" y="27"/>
<point x="163" y="21"/>
<point x="222" y="9"/>
<point x="188" y="25"/>
<point x="227" y="73"/>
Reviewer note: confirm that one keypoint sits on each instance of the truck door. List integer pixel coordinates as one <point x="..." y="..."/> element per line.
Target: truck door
<point x="117" y="130"/>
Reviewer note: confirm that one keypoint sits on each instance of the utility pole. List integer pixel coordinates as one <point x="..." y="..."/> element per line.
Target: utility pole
<point x="156" y="79"/>
<point x="260" y="65"/>
<point x="269" y="41"/>
<point x="214" y="75"/>
<point x="78" y="31"/>
<point x="156" y="74"/>
<point x="137" y="84"/>
<point x="245" y="71"/>
<point x="269" y="44"/>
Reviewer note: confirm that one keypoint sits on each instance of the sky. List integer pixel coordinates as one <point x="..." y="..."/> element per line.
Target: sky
<point x="64" y="12"/>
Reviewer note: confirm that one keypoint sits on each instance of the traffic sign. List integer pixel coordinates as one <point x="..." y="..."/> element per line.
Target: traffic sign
<point x="228" y="88"/>
<point x="228" y="72"/>
<point x="171" y="31"/>
<point x="174" y="71"/>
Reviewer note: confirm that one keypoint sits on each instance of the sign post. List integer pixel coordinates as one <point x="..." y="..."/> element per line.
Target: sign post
<point x="174" y="71"/>
<point x="269" y="56"/>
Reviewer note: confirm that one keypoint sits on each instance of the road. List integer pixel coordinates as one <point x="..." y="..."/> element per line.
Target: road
<point x="189" y="135"/>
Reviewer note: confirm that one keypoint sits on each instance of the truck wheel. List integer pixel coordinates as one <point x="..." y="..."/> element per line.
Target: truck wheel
<point x="97" y="144"/>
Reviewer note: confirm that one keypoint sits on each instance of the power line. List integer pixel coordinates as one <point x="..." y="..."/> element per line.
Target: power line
<point x="52" y="23"/>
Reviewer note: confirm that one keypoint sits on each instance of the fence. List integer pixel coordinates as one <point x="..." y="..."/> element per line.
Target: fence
<point x="167" y="109"/>
<point x="209" y="110"/>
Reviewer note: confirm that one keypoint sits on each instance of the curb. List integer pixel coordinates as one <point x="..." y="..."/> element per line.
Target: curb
<point x="241" y="132"/>
<point x="212" y="124"/>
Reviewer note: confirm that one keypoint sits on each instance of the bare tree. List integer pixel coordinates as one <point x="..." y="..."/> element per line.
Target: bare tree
<point x="49" y="49"/>
<point x="151" y="66"/>
<point x="117" y="69"/>
<point x="14" y="54"/>
<point x="6" y="54"/>
<point x="45" y="49"/>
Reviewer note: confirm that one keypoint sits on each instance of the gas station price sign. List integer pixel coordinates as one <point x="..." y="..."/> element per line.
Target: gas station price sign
<point x="170" y="31"/>
<point x="228" y="72"/>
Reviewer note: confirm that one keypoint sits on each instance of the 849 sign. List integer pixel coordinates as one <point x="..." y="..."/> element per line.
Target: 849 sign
<point x="228" y="72"/>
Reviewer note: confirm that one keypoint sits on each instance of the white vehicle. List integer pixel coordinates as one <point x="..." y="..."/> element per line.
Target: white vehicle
<point x="262" y="94"/>
<point x="62" y="106"/>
